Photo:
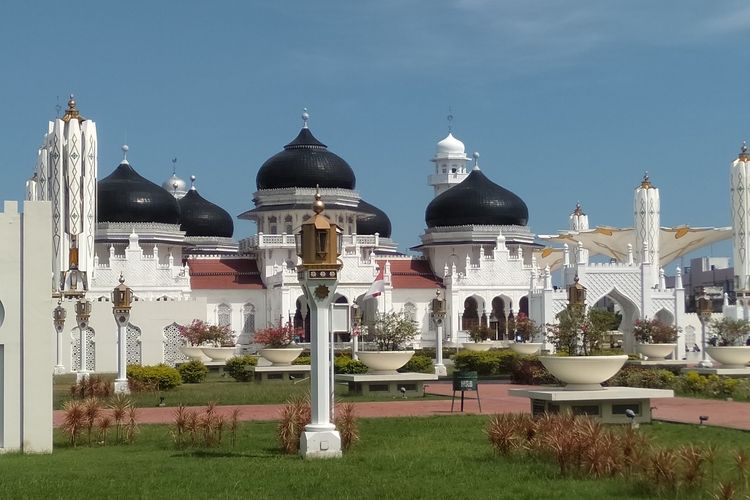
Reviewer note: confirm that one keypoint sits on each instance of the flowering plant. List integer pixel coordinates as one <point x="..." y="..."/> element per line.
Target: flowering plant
<point x="575" y="333"/>
<point x="199" y="332"/>
<point x="654" y="331"/>
<point x="729" y="332"/>
<point x="479" y="333"/>
<point x="526" y="328"/>
<point x="277" y="336"/>
<point x="391" y="331"/>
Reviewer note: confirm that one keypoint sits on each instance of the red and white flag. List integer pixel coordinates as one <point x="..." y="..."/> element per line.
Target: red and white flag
<point x="377" y="287"/>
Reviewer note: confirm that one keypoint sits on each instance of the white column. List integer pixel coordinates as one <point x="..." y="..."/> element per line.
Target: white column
<point x="439" y="366"/>
<point x="121" y="382"/>
<point x="59" y="367"/>
<point x="82" y="372"/>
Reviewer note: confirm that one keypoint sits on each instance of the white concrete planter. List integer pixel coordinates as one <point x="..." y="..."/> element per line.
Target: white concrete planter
<point x="655" y="351"/>
<point x="730" y="356"/>
<point x="477" y="346"/>
<point x="218" y="353"/>
<point x="281" y="356"/>
<point x="194" y="352"/>
<point x="384" y="362"/>
<point x="583" y="373"/>
<point x="526" y="349"/>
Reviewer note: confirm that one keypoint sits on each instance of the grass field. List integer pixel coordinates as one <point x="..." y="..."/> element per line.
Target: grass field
<point x="404" y="458"/>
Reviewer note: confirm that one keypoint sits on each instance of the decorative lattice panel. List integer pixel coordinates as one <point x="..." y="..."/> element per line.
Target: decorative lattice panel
<point x="75" y="345"/>
<point x="224" y="315"/>
<point x="133" y="345"/>
<point x="171" y="345"/>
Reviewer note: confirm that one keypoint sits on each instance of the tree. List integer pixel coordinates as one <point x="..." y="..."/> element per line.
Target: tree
<point x="391" y="331"/>
<point x="730" y="332"/>
<point x="575" y="332"/>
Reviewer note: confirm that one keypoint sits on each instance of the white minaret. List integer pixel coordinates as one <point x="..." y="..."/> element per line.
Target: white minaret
<point x="647" y="212"/>
<point x="450" y="163"/>
<point x="66" y="171"/>
<point x="579" y="221"/>
<point x="739" y="189"/>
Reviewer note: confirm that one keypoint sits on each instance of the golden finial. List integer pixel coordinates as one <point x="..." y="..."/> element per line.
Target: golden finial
<point x="743" y="156"/>
<point x="318" y="205"/>
<point x="578" y="210"/>
<point x="72" y="112"/>
<point x="646" y="182"/>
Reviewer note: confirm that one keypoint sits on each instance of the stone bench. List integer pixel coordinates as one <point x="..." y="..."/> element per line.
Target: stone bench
<point x="283" y="373"/>
<point x="390" y="384"/>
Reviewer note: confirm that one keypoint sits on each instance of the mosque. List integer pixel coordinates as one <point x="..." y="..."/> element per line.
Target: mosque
<point x="178" y="252"/>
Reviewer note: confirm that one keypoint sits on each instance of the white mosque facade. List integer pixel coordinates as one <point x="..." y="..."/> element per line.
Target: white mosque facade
<point x="179" y="254"/>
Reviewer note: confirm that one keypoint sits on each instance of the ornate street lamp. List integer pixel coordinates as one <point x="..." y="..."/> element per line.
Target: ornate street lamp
<point x="83" y="313"/>
<point x="122" y="298"/>
<point x="576" y="294"/>
<point x="319" y="246"/>
<point x="438" y="315"/>
<point x="357" y="330"/>
<point x="704" y="309"/>
<point x="58" y="320"/>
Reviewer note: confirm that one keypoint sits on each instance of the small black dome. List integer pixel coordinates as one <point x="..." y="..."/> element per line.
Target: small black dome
<point x="372" y="220"/>
<point x="200" y="217"/>
<point x="476" y="201"/>
<point x="126" y="196"/>
<point x="305" y="162"/>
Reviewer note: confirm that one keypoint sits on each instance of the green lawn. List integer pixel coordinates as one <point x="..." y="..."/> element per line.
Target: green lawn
<point x="404" y="458"/>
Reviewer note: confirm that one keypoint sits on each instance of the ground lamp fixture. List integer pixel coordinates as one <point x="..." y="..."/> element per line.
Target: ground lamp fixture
<point x="702" y="420"/>
<point x="122" y="298"/>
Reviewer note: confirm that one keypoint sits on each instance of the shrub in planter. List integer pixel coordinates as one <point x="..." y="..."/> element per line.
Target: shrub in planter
<point x="653" y="331"/>
<point x="159" y="377"/>
<point x="193" y="372"/>
<point x="528" y="370"/>
<point x="730" y="332"/>
<point x="238" y="367"/>
<point x="479" y="333"/>
<point x="418" y="363"/>
<point x="347" y="365"/>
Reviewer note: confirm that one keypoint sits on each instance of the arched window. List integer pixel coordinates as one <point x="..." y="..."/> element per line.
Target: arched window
<point x="470" y="319"/>
<point x="272" y="225"/>
<point x="410" y="311"/>
<point x="248" y="319"/>
<point x="288" y="225"/>
<point x="224" y="315"/>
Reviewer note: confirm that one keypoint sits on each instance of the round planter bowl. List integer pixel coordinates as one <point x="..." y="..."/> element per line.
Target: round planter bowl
<point x="281" y="356"/>
<point x="194" y="352"/>
<point x="730" y="356"/>
<point x="526" y="349"/>
<point x="384" y="362"/>
<point x="218" y="353"/>
<point x="583" y="373"/>
<point x="655" y="351"/>
<point x="477" y="346"/>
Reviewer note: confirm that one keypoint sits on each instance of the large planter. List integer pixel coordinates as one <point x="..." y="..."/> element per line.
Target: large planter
<point x="477" y="346"/>
<point x="384" y="362"/>
<point x="219" y="353"/>
<point x="730" y="356"/>
<point x="655" y="351"/>
<point x="583" y="373"/>
<point x="194" y="352"/>
<point x="281" y="356"/>
<point x="526" y="349"/>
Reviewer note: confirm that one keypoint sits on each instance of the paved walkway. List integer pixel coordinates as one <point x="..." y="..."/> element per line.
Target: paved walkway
<point x="495" y="399"/>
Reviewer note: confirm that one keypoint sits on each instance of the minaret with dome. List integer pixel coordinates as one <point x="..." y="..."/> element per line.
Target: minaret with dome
<point x="450" y="162"/>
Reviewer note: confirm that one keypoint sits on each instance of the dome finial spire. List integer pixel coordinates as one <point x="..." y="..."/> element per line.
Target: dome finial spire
<point x="743" y="156"/>
<point x="646" y="182"/>
<point x="450" y="119"/>
<point x="72" y="113"/>
<point x="305" y="117"/>
<point x="174" y="166"/>
<point x="125" y="149"/>
<point x="192" y="183"/>
<point x="578" y="210"/>
<point x="476" y="161"/>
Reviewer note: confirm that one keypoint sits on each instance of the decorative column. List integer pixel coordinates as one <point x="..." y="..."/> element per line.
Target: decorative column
<point x="705" y="309"/>
<point x="740" y="202"/>
<point x="122" y="298"/>
<point x="438" y="315"/>
<point x="647" y="214"/>
<point x="58" y="319"/>
<point x="319" y="246"/>
<point x="83" y="313"/>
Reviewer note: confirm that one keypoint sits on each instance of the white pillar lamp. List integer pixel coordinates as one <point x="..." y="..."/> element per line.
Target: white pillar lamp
<point x="438" y="315"/>
<point x="58" y="320"/>
<point x="83" y="313"/>
<point x="122" y="298"/>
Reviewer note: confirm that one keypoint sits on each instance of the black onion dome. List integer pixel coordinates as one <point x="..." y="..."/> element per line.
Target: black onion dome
<point x="305" y="162"/>
<point x="372" y="220"/>
<point x="126" y="196"/>
<point x="200" y="217"/>
<point x="476" y="201"/>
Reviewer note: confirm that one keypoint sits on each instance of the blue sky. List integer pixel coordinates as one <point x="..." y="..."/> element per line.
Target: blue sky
<point x="565" y="101"/>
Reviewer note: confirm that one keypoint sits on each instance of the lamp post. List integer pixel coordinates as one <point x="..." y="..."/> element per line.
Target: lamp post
<point x="122" y="297"/>
<point x="705" y="309"/>
<point x="319" y="246"/>
<point x="438" y="315"/>
<point x="58" y="320"/>
<point x="357" y="330"/>
<point x="83" y="313"/>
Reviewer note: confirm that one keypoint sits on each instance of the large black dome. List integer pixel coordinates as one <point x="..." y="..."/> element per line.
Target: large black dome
<point x="476" y="201"/>
<point x="305" y="162"/>
<point x="200" y="217"/>
<point x="126" y="196"/>
<point x="372" y="220"/>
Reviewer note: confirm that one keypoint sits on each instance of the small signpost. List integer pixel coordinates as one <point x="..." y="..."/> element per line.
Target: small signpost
<point x="465" y="381"/>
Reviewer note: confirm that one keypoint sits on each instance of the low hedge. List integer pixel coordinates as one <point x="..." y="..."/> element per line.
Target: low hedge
<point x="159" y="377"/>
<point x="345" y="364"/>
<point x="238" y="367"/>
<point x="193" y="372"/>
<point x="492" y="362"/>
<point x="302" y="360"/>
<point x="419" y="363"/>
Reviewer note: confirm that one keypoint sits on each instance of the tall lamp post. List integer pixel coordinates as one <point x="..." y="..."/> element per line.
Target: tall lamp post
<point x="319" y="246"/>
<point x="357" y="330"/>
<point x="705" y="309"/>
<point x="438" y="315"/>
<point x="58" y="319"/>
<point x="83" y="313"/>
<point x="122" y="297"/>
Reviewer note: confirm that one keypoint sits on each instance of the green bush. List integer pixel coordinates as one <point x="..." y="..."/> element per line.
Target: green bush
<point x="193" y="372"/>
<point x="347" y="365"/>
<point x="493" y="362"/>
<point x="528" y="370"/>
<point x="159" y="377"/>
<point x="418" y="364"/>
<point x="647" y="378"/>
<point x="302" y="360"/>
<point x="238" y="367"/>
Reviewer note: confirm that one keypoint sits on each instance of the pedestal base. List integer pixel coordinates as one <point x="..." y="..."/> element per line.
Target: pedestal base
<point x="440" y="370"/>
<point x="320" y="444"/>
<point x="82" y="375"/>
<point x="121" y="386"/>
<point x="719" y="370"/>
<point x="59" y="370"/>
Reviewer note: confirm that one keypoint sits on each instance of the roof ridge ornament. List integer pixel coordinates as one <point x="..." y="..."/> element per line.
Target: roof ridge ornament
<point x="743" y="156"/>
<point x="72" y="113"/>
<point x="476" y="160"/>
<point x="125" y="150"/>
<point x="305" y="117"/>
<point x="450" y="119"/>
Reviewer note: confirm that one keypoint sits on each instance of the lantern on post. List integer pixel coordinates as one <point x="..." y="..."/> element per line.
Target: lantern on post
<point x="319" y="244"/>
<point x="438" y="315"/>
<point x="576" y="294"/>
<point x="58" y="320"/>
<point x="122" y="298"/>
<point x="83" y="313"/>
